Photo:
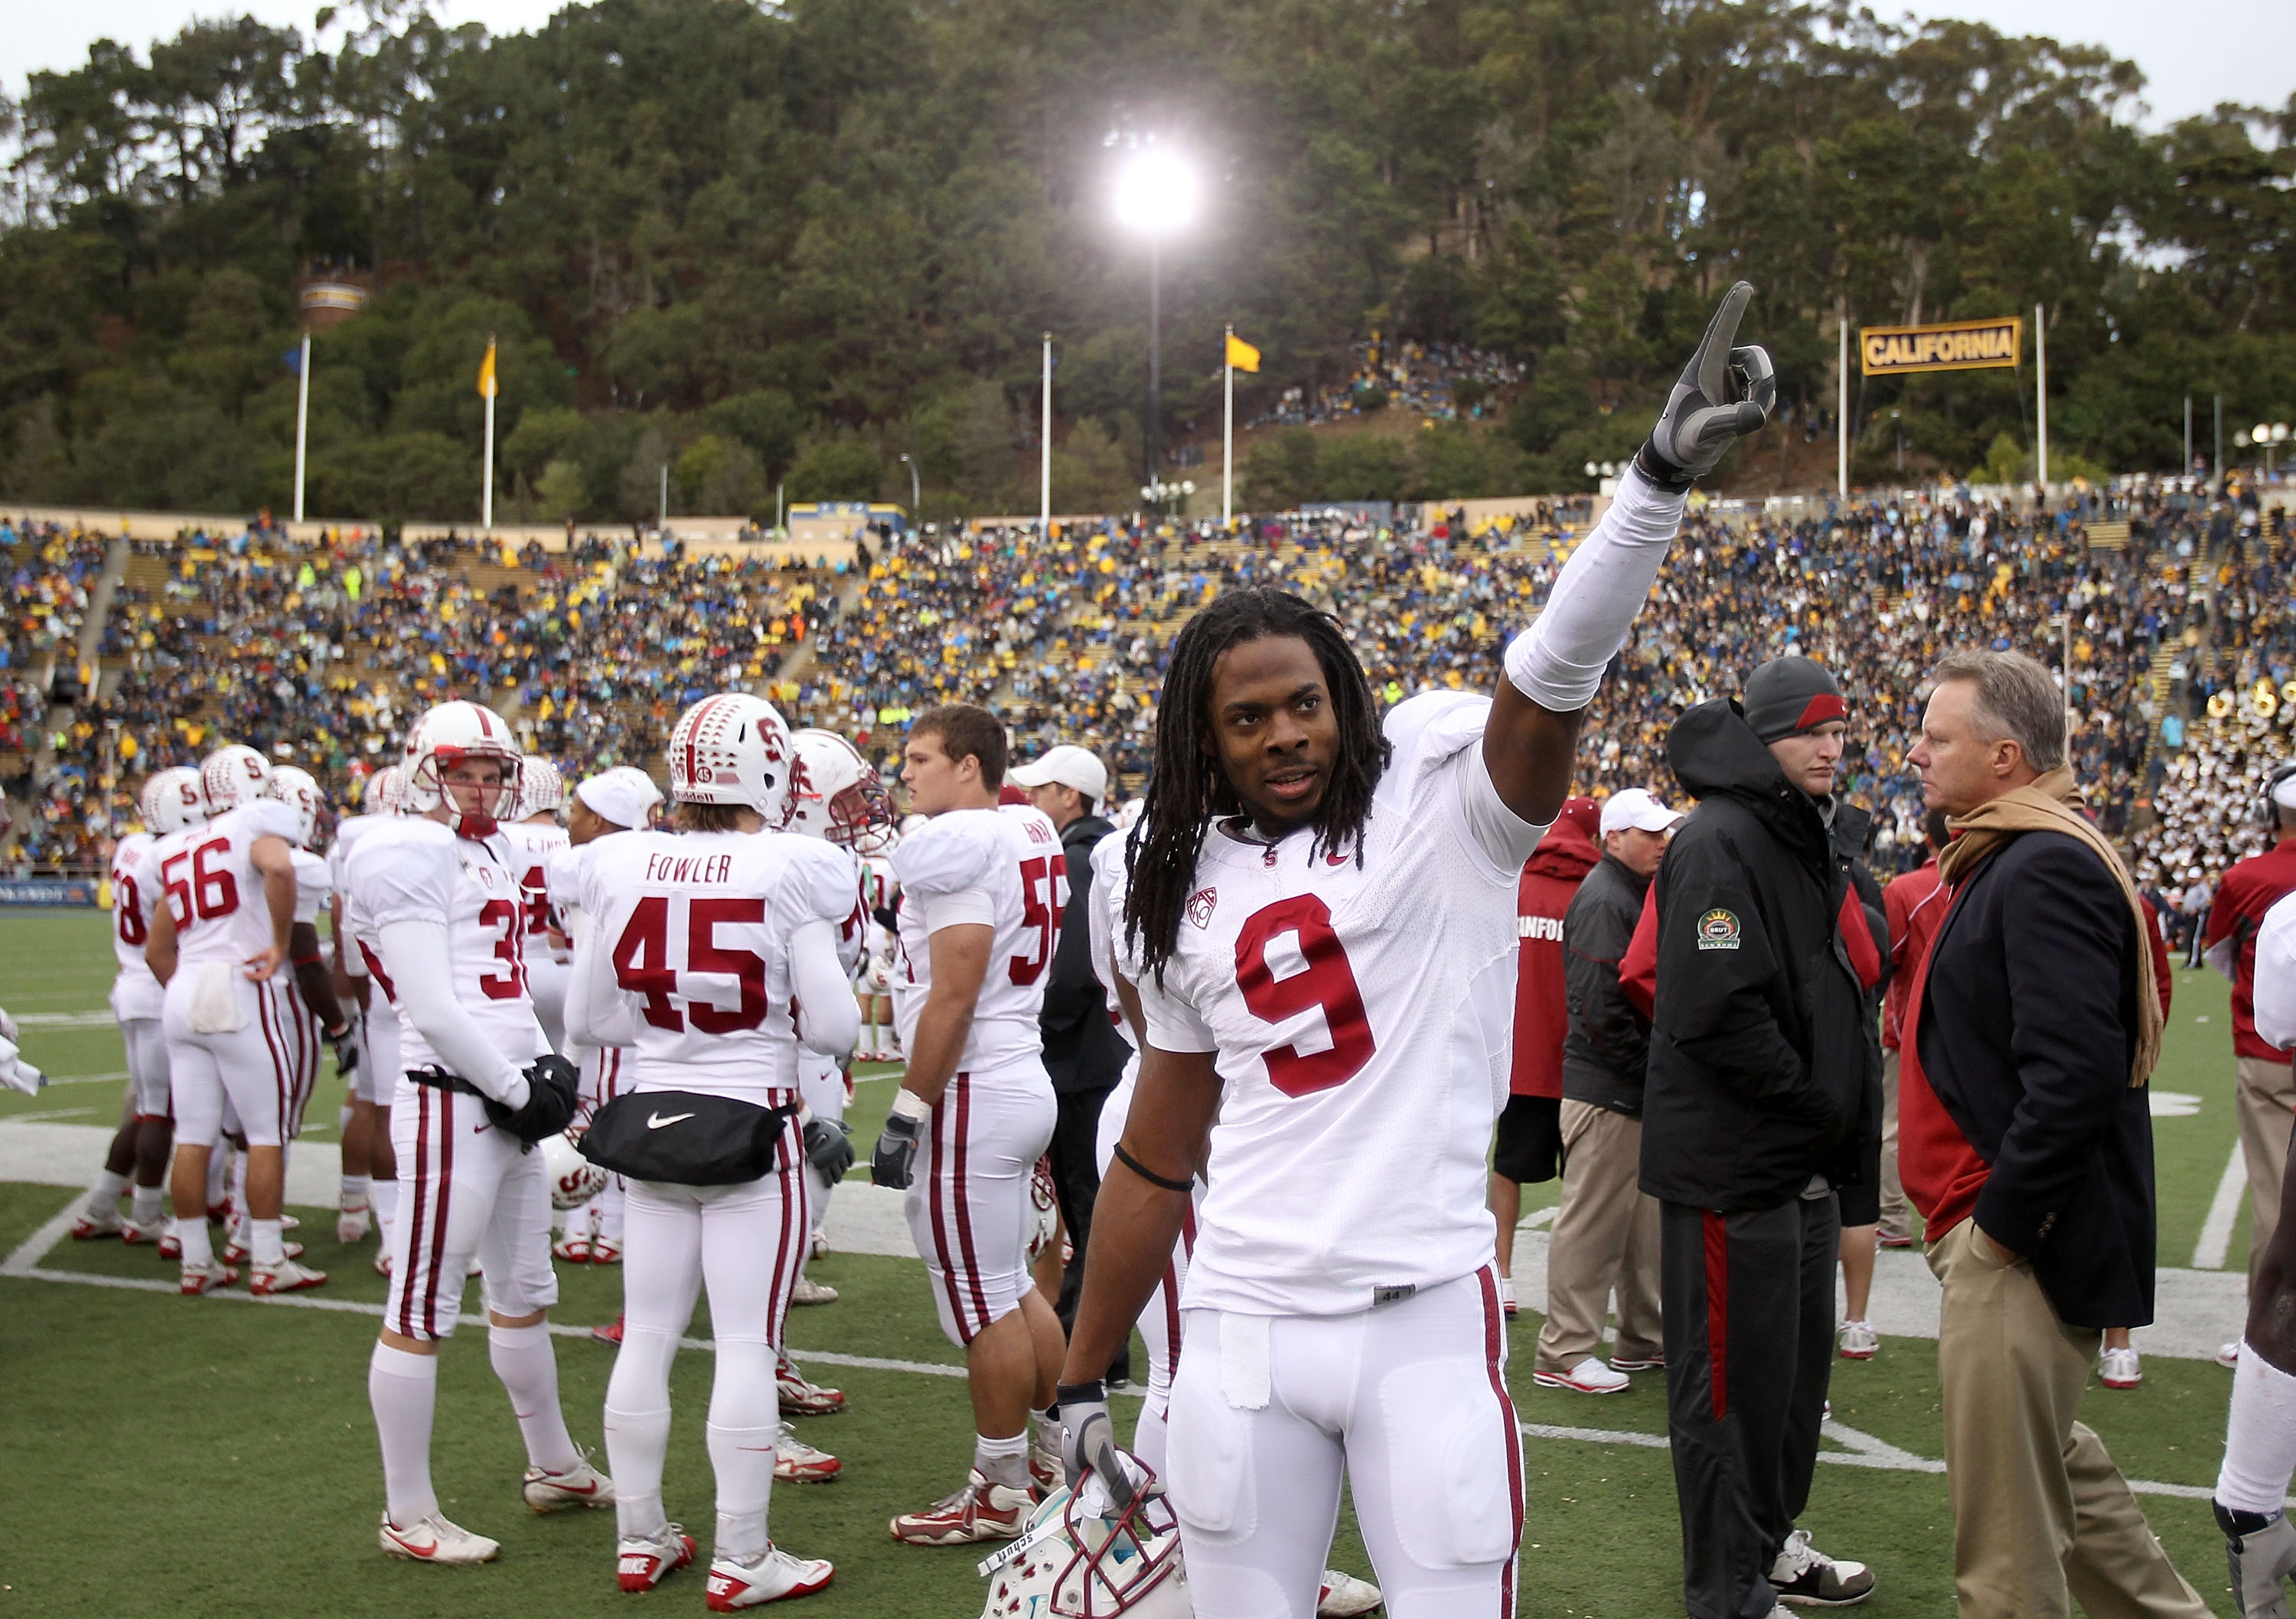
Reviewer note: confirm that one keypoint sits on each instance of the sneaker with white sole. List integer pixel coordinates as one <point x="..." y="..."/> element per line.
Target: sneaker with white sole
<point x="1859" y="1341"/>
<point x="1343" y="1595"/>
<point x="574" y="1247"/>
<point x="171" y="1246"/>
<point x="1806" y="1576"/>
<point x="581" y="1485"/>
<point x="2260" y="1550"/>
<point x="644" y="1561"/>
<point x="796" y="1462"/>
<point x="100" y="1223"/>
<point x="606" y="1251"/>
<point x="1643" y="1362"/>
<point x="808" y="1291"/>
<point x="2119" y="1368"/>
<point x="155" y="1231"/>
<point x="802" y="1398"/>
<point x="980" y="1511"/>
<point x="1507" y="1297"/>
<point x="1046" y="1473"/>
<point x="434" y="1540"/>
<point x="353" y="1225"/>
<point x="285" y="1276"/>
<point x="238" y="1251"/>
<point x="207" y="1277"/>
<point x="768" y="1577"/>
<point x="1589" y="1377"/>
<point x="2229" y="1355"/>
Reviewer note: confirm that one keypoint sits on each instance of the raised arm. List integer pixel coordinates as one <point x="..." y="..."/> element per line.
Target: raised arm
<point x="1552" y="669"/>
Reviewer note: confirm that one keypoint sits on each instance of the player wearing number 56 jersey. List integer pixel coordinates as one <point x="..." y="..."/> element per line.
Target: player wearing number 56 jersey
<point x="982" y="890"/>
<point x="1323" y="911"/>
<point x="441" y="918"/>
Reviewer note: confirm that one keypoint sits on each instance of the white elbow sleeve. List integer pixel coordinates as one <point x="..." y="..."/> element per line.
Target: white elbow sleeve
<point x="422" y="973"/>
<point x="828" y="1020"/>
<point x="1558" y="662"/>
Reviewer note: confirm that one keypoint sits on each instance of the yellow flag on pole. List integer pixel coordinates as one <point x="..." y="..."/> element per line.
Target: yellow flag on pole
<point x="486" y="372"/>
<point x="1241" y="355"/>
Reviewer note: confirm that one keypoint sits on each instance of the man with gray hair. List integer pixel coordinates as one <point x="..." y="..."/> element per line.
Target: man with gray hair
<point x="2025" y="1140"/>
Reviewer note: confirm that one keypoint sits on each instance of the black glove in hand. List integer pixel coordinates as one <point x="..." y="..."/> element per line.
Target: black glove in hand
<point x="345" y="1042"/>
<point x="1724" y="394"/>
<point x="1088" y="1440"/>
<point x="894" y="1163"/>
<point x="552" y="1093"/>
<point x="829" y="1148"/>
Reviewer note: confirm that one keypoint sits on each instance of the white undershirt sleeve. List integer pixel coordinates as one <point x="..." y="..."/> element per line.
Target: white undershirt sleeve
<point x="421" y="969"/>
<point x="828" y="1019"/>
<point x="959" y="907"/>
<point x="2275" y="976"/>
<point x="1558" y="662"/>
<point x="1502" y="834"/>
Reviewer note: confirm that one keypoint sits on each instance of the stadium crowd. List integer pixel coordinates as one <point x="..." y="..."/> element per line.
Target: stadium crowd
<point x="1443" y="381"/>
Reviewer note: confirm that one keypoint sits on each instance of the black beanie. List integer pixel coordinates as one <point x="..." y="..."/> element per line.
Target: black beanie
<point x="1791" y="694"/>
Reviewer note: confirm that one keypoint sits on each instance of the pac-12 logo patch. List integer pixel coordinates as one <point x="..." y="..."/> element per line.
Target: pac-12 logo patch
<point x="1718" y="929"/>
<point x="1200" y="907"/>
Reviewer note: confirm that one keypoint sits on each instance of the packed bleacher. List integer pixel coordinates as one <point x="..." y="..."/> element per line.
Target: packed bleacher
<point x="1439" y="381"/>
<point x="592" y="652"/>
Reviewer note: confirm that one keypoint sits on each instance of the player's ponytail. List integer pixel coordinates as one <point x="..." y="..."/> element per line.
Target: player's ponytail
<point x="1188" y="786"/>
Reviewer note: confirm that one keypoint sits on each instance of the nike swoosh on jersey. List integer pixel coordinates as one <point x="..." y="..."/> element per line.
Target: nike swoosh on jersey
<point x="654" y="1120"/>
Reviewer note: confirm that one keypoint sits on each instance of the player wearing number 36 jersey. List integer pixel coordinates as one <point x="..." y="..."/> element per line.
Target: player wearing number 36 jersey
<point x="1323" y="914"/>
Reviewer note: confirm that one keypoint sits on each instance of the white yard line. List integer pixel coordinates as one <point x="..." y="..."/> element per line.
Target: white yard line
<point x="2224" y="1212"/>
<point x="65" y="1021"/>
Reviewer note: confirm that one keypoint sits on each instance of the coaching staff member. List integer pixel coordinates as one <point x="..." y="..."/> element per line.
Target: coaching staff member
<point x="1761" y="1108"/>
<point x="2026" y="1141"/>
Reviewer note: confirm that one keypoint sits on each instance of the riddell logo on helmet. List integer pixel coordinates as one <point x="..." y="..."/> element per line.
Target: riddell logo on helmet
<point x="1200" y="907"/>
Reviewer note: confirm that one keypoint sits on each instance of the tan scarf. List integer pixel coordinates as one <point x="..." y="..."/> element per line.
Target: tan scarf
<point x="2053" y="804"/>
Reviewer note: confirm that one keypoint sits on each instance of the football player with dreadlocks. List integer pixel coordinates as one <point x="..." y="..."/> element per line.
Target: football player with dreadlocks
<point x="1322" y="907"/>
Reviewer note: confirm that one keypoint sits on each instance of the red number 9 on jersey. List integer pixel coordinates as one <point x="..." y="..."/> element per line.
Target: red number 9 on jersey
<point x="1328" y="985"/>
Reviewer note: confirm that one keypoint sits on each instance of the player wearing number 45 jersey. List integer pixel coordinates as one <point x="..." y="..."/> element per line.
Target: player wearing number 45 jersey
<point x="441" y="918"/>
<point x="982" y="890"/>
<point x="1322" y="911"/>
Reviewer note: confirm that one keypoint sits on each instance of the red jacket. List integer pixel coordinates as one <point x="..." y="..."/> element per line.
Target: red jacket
<point x="2246" y="893"/>
<point x="1913" y="904"/>
<point x="1541" y="1003"/>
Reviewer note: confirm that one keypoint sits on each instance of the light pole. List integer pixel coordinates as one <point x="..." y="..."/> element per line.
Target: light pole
<point x="2270" y="436"/>
<point x="916" y="499"/>
<point x="1155" y="195"/>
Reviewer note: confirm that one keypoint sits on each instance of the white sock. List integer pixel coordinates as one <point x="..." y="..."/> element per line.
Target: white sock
<point x="385" y="1194"/>
<point x="219" y="1158"/>
<point x="357" y="1193"/>
<point x="239" y="1185"/>
<point x="636" y="1443"/>
<point x="742" y="1459"/>
<point x="103" y="1197"/>
<point x="147" y="1204"/>
<point x="192" y="1233"/>
<point x="1558" y="662"/>
<point x="2260" y="1436"/>
<point x="403" y="1388"/>
<point x="1002" y="1461"/>
<point x="270" y="1241"/>
<point x="528" y="1366"/>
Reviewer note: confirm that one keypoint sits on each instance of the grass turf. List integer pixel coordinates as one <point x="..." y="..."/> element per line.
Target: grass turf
<point x="226" y="1450"/>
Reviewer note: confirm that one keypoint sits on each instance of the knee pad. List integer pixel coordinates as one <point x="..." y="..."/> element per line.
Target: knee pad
<point x="1459" y="1510"/>
<point x="1208" y="1453"/>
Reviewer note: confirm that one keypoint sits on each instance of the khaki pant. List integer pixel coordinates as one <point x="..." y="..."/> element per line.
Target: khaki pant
<point x="1897" y="1213"/>
<point x="2041" y="1517"/>
<point x="1606" y="1234"/>
<point x="2266" y="1099"/>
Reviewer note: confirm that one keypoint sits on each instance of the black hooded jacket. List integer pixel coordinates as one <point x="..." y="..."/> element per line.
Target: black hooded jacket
<point x="1764" y="1059"/>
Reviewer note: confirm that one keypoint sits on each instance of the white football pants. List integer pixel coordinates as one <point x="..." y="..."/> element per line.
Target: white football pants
<point x="262" y="1072"/>
<point x="968" y="1206"/>
<point x="465" y="1189"/>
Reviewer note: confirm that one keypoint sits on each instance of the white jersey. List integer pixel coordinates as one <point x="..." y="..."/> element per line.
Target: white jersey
<point x="134" y="993"/>
<point x="1362" y="1015"/>
<point x="1104" y="913"/>
<point x="695" y="928"/>
<point x="312" y="883"/>
<point x="534" y="844"/>
<point x="419" y="870"/>
<point x="213" y="890"/>
<point x="1003" y="867"/>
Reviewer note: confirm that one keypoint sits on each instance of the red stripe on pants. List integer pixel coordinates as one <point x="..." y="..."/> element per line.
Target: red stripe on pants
<point x="1495" y="1358"/>
<point x="1717" y="1311"/>
<point x="964" y="1205"/>
<point x="415" y="1213"/>
<point x="940" y="1115"/>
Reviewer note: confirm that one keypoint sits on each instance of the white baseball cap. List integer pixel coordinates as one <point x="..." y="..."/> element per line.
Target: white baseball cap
<point x="1636" y="808"/>
<point x="1070" y="766"/>
<point x="622" y="795"/>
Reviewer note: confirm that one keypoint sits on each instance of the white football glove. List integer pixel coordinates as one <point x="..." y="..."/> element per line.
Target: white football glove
<point x="15" y="1073"/>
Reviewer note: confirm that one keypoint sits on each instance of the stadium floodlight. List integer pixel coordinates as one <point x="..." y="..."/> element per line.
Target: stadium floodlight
<point x="2261" y="433"/>
<point x="1155" y="190"/>
<point x="1592" y="470"/>
<point x="2280" y="432"/>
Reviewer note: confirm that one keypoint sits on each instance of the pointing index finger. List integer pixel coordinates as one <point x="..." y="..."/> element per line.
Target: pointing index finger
<point x="1713" y="361"/>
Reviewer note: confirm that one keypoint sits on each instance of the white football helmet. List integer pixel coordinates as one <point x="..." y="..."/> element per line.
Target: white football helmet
<point x="171" y="800"/>
<point x="299" y="790"/>
<point x="1074" y="1566"/>
<point x="451" y="734"/>
<point x="386" y="792"/>
<point x="232" y="776"/>
<point x="541" y="789"/>
<point x="1044" y="1209"/>
<point x="734" y="749"/>
<point x="838" y="794"/>
<point x="573" y="1179"/>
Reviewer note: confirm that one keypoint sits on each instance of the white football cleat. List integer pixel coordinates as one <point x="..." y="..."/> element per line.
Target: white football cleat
<point x="434" y="1540"/>
<point x="641" y="1562"/>
<point x="606" y="1251"/>
<point x="808" y="1291"/>
<point x="1507" y="1297"/>
<point x="171" y="1246"/>
<point x="1589" y="1377"/>
<point x="767" y="1577"/>
<point x="156" y="1230"/>
<point x="2229" y="1355"/>
<point x="285" y="1276"/>
<point x="801" y="1398"/>
<point x="796" y="1462"/>
<point x="207" y="1277"/>
<point x="101" y="1223"/>
<point x="574" y="1247"/>
<point x="581" y="1485"/>
<point x="1344" y="1596"/>
<point x="353" y="1225"/>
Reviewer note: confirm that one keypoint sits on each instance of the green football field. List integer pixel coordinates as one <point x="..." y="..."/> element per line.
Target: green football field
<point x="215" y="1456"/>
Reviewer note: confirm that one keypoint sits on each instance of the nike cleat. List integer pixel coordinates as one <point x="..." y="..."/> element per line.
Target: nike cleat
<point x="434" y="1540"/>
<point x="767" y="1577"/>
<point x="581" y="1485"/>
<point x="641" y="1562"/>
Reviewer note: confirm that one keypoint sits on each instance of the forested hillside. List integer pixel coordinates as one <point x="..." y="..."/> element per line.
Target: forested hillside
<point x="796" y="242"/>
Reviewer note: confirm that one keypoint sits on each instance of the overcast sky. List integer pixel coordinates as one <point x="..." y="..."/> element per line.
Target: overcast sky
<point x="2193" y="54"/>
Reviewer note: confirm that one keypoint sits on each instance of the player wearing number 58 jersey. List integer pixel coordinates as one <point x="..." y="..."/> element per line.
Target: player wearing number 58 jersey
<point x="982" y="890"/>
<point x="1323" y="911"/>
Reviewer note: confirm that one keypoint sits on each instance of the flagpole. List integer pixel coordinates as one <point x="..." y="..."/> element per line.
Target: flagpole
<point x="1044" y="471"/>
<point x="486" y="493"/>
<point x="1228" y="430"/>
<point x="1841" y="412"/>
<point x="302" y="418"/>
<point x="2041" y="393"/>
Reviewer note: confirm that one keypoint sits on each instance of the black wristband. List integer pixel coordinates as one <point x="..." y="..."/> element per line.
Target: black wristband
<point x="1653" y="468"/>
<point x="1094" y="1393"/>
<point x="1150" y="1175"/>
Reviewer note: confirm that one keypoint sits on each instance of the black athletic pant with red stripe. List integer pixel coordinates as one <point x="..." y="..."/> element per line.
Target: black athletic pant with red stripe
<point x="1749" y="1307"/>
